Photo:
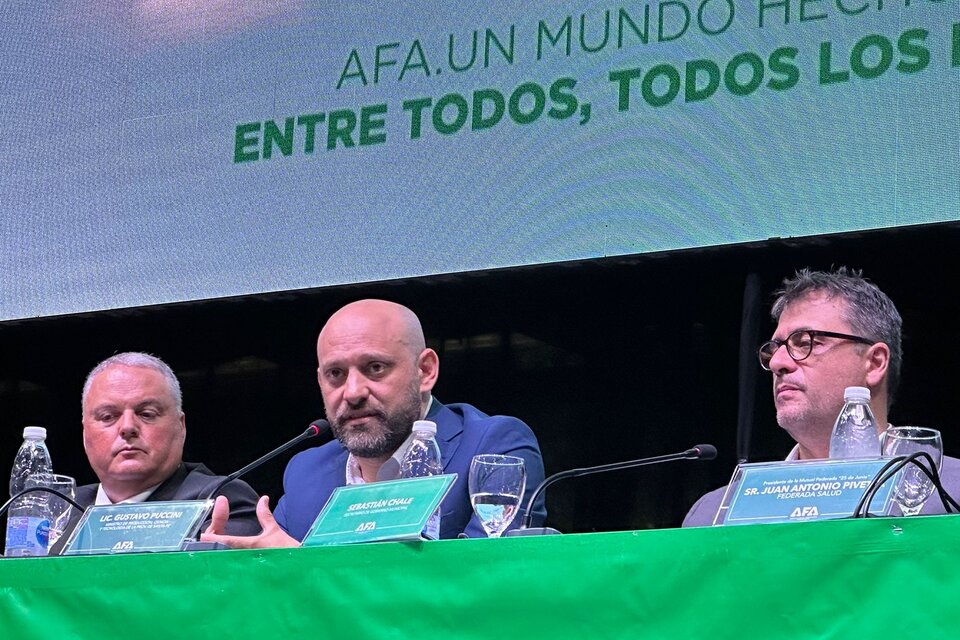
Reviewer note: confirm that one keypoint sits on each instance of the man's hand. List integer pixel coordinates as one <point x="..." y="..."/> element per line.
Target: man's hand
<point x="271" y="536"/>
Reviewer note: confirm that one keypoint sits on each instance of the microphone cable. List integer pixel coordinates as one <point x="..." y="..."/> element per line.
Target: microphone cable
<point x="891" y="469"/>
<point x="6" y="505"/>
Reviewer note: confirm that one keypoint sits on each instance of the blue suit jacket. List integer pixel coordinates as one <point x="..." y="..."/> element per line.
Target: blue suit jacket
<point x="462" y="432"/>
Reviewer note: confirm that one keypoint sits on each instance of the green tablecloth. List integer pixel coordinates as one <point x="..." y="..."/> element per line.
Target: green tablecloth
<point x="850" y="579"/>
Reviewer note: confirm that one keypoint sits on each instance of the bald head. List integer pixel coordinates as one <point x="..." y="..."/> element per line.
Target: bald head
<point x="390" y="321"/>
<point x="375" y="374"/>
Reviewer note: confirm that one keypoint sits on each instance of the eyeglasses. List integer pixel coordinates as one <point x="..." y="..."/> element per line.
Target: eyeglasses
<point x="800" y="344"/>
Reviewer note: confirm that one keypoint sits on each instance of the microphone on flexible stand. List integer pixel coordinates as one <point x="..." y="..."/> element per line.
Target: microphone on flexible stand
<point x="317" y="428"/>
<point x="699" y="452"/>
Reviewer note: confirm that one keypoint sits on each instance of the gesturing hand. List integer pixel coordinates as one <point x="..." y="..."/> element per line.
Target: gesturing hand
<point x="271" y="536"/>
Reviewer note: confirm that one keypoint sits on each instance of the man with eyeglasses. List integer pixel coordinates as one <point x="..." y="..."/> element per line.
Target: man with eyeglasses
<point x="834" y="330"/>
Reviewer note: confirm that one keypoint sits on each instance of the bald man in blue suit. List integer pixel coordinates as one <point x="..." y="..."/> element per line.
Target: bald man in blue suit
<point x="462" y="432"/>
<point x="376" y="376"/>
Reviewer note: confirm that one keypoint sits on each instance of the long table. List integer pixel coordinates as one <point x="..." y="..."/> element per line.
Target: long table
<point x="883" y="577"/>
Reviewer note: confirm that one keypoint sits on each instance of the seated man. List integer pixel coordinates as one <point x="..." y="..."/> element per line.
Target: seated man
<point x="133" y="434"/>
<point x="376" y="376"/>
<point x="834" y="330"/>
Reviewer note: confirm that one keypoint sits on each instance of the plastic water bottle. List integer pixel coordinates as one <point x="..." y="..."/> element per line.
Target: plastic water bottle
<point x="422" y="458"/>
<point x="28" y="526"/>
<point x="855" y="431"/>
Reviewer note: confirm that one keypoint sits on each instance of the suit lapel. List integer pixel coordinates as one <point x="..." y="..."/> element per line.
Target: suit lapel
<point x="87" y="494"/>
<point x="448" y="430"/>
<point x="338" y="470"/>
<point x="168" y="489"/>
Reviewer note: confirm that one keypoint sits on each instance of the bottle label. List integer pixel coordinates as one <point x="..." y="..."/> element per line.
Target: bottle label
<point x="27" y="536"/>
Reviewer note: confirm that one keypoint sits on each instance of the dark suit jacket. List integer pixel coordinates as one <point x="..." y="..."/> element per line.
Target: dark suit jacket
<point x="189" y="482"/>
<point x="462" y="432"/>
<point x="703" y="512"/>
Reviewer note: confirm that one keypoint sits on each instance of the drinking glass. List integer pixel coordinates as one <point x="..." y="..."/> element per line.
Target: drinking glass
<point x="57" y="509"/>
<point x="496" y="485"/>
<point x="914" y="487"/>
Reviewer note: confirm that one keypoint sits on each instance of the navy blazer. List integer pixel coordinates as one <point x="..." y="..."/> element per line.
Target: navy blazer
<point x="463" y="431"/>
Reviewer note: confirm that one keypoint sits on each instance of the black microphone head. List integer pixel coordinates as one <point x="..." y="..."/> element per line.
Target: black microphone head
<point x="703" y="452"/>
<point x="318" y="427"/>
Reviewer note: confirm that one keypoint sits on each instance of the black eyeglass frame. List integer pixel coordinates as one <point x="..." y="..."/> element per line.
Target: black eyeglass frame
<point x="812" y="333"/>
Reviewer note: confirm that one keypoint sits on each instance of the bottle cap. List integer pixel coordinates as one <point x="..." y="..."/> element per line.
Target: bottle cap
<point x="34" y="433"/>
<point x="856" y="393"/>
<point x="425" y="425"/>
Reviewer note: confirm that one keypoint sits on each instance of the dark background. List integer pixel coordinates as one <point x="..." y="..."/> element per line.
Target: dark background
<point x="606" y="360"/>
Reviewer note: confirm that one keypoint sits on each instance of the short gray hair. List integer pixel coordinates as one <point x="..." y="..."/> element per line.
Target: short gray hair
<point x="869" y="311"/>
<point x="137" y="359"/>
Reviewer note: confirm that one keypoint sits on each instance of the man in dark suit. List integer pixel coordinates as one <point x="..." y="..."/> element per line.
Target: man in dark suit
<point x="133" y="433"/>
<point x="376" y="376"/>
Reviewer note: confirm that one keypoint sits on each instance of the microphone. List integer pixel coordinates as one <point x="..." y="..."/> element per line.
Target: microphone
<point x="699" y="452"/>
<point x="318" y="427"/>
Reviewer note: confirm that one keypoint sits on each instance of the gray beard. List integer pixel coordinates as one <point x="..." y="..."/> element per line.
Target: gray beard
<point x="382" y="435"/>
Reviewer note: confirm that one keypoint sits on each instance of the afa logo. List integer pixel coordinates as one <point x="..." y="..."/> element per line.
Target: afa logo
<point x="804" y="512"/>
<point x="123" y="545"/>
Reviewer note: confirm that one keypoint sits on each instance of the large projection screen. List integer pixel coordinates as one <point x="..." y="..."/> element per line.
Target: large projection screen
<point x="158" y="151"/>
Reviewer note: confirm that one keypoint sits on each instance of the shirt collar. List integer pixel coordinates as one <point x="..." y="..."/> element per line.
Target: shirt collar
<point x="103" y="498"/>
